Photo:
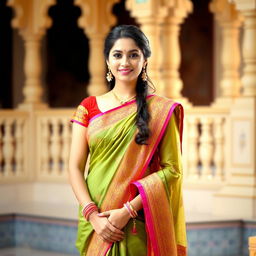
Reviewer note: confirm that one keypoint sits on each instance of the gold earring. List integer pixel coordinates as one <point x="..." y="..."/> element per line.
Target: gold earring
<point x="109" y="76"/>
<point x="144" y="76"/>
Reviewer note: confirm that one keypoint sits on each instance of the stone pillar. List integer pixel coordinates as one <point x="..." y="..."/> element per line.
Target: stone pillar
<point x="230" y="22"/>
<point x="171" y="48"/>
<point x="32" y="26"/>
<point x="150" y="15"/>
<point x="249" y="53"/>
<point x="96" y="20"/>
<point x="237" y="197"/>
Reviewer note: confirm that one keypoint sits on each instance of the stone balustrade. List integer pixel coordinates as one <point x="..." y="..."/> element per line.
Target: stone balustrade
<point x="13" y="145"/>
<point x="53" y="144"/>
<point x="203" y="145"/>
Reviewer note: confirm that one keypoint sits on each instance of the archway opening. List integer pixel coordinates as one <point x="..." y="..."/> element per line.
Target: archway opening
<point x="197" y="50"/>
<point x="67" y="53"/>
<point x="6" y="56"/>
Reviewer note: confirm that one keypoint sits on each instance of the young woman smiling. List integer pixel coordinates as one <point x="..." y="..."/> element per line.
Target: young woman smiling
<point x="131" y="199"/>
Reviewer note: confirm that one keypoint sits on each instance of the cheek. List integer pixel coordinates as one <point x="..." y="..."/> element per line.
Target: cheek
<point x="113" y="63"/>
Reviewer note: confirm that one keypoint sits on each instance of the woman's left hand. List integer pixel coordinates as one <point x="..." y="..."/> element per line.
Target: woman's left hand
<point x="117" y="217"/>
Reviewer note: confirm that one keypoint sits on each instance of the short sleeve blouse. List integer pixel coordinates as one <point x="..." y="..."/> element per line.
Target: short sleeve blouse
<point x="86" y="110"/>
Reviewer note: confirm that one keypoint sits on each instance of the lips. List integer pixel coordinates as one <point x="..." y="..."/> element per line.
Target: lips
<point x="125" y="71"/>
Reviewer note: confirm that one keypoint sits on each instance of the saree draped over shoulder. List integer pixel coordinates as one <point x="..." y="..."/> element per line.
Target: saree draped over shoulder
<point x="120" y="169"/>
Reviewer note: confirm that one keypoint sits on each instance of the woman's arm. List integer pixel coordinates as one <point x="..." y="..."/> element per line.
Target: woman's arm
<point x="77" y="162"/>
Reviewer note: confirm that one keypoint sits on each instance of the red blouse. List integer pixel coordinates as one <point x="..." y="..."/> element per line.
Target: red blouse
<point x="86" y="110"/>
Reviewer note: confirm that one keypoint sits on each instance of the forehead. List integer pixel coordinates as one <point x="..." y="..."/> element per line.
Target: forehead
<point x="125" y="44"/>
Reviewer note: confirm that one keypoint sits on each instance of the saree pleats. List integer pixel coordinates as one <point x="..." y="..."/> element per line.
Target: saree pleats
<point x="117" y="162"/>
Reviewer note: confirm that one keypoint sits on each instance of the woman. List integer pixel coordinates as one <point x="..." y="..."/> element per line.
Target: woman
<point x="131" y="200"/>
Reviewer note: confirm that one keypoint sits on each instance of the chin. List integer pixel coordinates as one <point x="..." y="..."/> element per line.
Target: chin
<point x="128" y="79"/>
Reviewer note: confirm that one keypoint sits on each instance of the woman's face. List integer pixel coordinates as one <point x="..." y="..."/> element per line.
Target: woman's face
<point x="125" y="60"/>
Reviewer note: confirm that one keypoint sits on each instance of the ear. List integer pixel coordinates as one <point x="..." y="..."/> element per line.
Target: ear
<point x="145" y="64"/>
<point x="107" y="62"/>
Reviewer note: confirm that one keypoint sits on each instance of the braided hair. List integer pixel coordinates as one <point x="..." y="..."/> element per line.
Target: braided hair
<point x="143" y="116"/>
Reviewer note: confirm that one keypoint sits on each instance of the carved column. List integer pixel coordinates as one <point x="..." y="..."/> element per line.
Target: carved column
<point x="230" y="22"/>
<point x="32" y="26"/>
<point x="248" y="10"/>
<point x="249" y="53"/>
<point x="96" y="20"/>
<point x="237" y="197"/>
<point x="171" y="48"/>
<point x="151" y="14"/>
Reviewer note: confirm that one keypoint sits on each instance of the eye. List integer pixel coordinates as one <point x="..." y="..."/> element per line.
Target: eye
<point x="134" y="55"/>
<point x="117" y="55"/>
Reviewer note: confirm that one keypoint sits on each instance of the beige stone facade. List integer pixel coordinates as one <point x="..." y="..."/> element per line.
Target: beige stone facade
<point x="219" y="158"/>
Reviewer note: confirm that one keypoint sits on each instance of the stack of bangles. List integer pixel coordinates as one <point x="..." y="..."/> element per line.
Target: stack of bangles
<point x="133" y="214"/>
<point x="88" y="209"/>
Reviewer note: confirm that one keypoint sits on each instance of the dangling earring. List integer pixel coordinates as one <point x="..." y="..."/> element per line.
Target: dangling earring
<point x="109" y="75"/>
<point x="144" y="76"/>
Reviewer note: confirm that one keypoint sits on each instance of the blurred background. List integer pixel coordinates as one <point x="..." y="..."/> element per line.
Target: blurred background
<point x="51" y="57"/>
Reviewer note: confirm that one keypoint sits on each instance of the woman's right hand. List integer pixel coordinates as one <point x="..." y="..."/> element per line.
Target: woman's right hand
<point x="105" y="229"/>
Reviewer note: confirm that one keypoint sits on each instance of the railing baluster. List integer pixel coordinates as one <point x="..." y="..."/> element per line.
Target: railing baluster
<point x="206" y="148"/>
<point x="1" y="149"/>
<point x="219" y="148"/>
<point x="45" y="156"/>
<point x="193" y="157"/>
<point x="8" y="148"/>
<point x="19" y="158"/>
<point x="55" y="147"/>
<point x="65" y="145"/>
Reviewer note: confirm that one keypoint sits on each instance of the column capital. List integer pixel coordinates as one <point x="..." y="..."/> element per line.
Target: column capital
<point x="31" y="24"/>
<point x="93" y="15"/>
<point x="179" y="9"/>
<point x="155" y="10"/>
<point x="226" y="13"/>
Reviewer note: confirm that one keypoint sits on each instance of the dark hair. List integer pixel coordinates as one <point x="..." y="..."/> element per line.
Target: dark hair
<point x="143" y="116"/>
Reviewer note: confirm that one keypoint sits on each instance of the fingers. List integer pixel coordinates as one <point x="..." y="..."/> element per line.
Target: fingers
<point x="104" y="214"/>
<point x="112" y="237"/>
<point x="109" y="233"/>
<point x="113" y="234"/>
<point x="113" y="229"/>
<point x="109" y="236"/>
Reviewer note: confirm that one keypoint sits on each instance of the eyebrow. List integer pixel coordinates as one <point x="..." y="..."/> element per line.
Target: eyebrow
<point x="133" y="50"/>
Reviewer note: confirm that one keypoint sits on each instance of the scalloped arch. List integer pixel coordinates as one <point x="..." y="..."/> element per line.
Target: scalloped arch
<point x="31" y="15"/>
<point x="96" y="15"/>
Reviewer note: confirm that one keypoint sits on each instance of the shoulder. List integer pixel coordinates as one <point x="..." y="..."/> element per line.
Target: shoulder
<point x="160" y="105"/>
<point x="164" y="101"/>
<point x="88" y="102"/>
<point x="84" y="111"/>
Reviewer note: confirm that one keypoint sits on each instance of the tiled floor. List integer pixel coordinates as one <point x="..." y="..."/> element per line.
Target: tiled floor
<point x="28" y="252"/>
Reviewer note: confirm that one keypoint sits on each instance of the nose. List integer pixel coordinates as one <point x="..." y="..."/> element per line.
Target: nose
<point x="125" y="61"/>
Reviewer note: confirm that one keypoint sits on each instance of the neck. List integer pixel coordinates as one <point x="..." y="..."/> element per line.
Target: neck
<point x="124" y="89"/>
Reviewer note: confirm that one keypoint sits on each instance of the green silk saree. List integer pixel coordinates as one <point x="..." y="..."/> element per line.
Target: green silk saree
<point x="119" y="169"/>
